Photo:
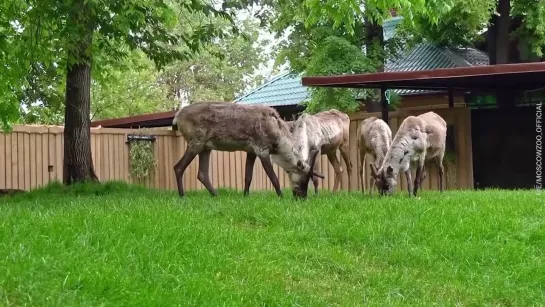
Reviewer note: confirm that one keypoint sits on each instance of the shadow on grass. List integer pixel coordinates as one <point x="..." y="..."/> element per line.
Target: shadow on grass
<point x="57" y="189"/>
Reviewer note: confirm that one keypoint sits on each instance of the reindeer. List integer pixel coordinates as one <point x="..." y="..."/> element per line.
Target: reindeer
<point x="257" y="130"/>
<point x="327" y="131"/>
<point x="374" y="139"/>
<point x="419" y="139"/>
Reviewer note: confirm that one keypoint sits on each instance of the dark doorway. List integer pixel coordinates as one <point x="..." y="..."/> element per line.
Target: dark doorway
<point x="504" y="147"/>
<point x="290" y="112"/>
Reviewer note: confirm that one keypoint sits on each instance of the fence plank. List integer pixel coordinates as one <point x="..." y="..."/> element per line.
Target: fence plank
<point x="3" y="161"/>
<point x="10" y="150"/>
<point x="20" y="164"/>
<point x="232" y="171"/>
<point x="111" y="156"/>
<point x="45" y="158"/>
<point x="33" y="161"/>
<point x="117" y="161"/>
<point x="59" y="168"/>
<point x="239" y="170"/>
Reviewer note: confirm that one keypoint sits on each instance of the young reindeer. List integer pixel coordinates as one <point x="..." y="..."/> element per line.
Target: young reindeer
<point x="418" y="139"/>
<point x="374" y="139"/>
<point x="257" y="130"/>
<point x="327" y="131"/>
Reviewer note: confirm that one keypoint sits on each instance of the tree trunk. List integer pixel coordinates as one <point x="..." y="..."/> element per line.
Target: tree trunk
<point x="491" y="40"/>
<point x="374" y="46"/>
<point x="78" y="161"/>
<point x="502" y="32"/>
<point x="499" y="46"/>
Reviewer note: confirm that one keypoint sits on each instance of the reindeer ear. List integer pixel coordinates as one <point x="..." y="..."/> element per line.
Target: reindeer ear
<point x="389" y="170"/>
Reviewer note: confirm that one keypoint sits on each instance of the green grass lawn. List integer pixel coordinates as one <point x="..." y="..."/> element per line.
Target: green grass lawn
<point x="117" y="245"/>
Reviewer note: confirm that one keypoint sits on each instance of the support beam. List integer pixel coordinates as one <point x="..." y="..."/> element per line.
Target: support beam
<point x="450" y="98"/>
<point x="384" y="104"/>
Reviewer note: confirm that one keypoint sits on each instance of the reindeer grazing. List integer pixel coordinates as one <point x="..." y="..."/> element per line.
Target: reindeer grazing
<point x="374" y="139"/>
<point x="327" y="131"/>
<point x="419" y="139"/>
<point x="257" y="130"/>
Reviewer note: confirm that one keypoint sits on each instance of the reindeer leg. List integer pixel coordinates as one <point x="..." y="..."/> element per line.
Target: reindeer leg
<point x="250" y="161"/>
<point x="204" y="171"/>
<point x="345" y="153"/>
<point x="441" y="171"/>
<point x="315" y="183"/>
<point x="409" y="181"/>
<point x="269" y="170"/>
<point x="180" y="168"/>
<point x="332" y="157"/>
<point x="419" y="175"/>
<point x="315" y="180"/>
<point x="360" y="169"/>
<point x="424" y="174"/>
<point x="371" y="182"/>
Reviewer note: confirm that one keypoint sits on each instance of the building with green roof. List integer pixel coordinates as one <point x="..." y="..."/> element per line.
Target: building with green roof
<point x="285" y="91"/>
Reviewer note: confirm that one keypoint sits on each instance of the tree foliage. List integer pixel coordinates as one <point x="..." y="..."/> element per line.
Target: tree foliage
<point x="128" y="88"/>
<point x="130" y="84"/>
<point x="532" y="30"/>
<point x="331" y="37"/>
<point x="335" y="56"/>
<point x="224" y="69"/>
<point x="37" y="37"/>
<point x="42" y="101"/>
<point x="463" y="25"/>
<point x="70" y="34"/>
<point x="346" y="14"/>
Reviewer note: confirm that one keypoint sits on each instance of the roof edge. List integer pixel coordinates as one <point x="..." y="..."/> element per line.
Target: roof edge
<point x="273" y="79"/>
<point x="131" y="119"/>
<point x="456" y="58"/>
<point x="440" y="73"/>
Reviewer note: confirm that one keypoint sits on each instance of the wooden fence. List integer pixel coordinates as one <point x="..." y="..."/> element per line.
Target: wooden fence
<point x="32" y="156"/>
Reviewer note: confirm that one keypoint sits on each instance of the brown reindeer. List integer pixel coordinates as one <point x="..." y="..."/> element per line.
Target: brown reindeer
<point x="257" y="130"/>
<point x="327" y="131"/>
<point x="374" y="139"/>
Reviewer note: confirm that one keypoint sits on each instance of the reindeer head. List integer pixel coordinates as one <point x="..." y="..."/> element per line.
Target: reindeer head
<point x="410" y="142"/>
<point x="299" y="160"/>
<point x="301" y="178"/>
<point x="299" y="171"/>
<point x="384" y="180"/>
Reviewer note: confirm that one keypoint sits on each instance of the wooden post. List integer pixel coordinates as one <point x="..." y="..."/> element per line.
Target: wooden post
<point x="450" y="98"/>
<point x="384" y="104"/>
